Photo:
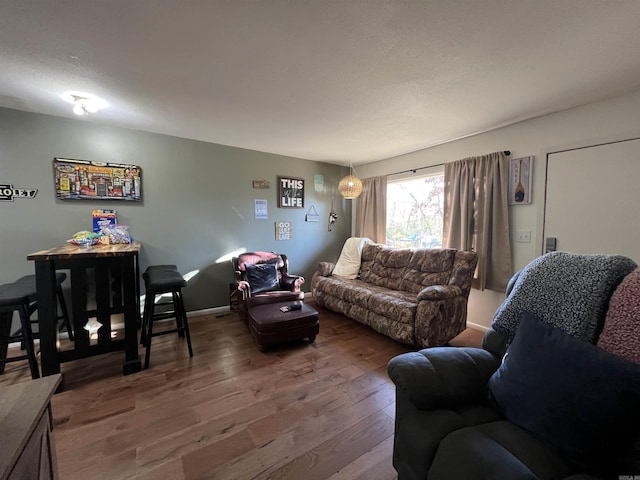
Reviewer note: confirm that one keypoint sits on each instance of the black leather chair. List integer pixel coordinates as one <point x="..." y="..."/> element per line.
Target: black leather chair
<point x="263" y="277"/>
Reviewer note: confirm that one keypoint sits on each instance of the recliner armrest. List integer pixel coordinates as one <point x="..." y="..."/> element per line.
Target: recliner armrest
<point x="442" y="377"/>
<point x="291" y="283"/>
<point x="439" y="292"/>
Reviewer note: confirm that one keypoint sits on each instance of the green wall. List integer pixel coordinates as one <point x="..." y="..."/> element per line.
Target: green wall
<point x="198" y="201"/>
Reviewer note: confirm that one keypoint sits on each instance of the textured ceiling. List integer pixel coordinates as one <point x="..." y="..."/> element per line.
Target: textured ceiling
<point x="331" y="80"/>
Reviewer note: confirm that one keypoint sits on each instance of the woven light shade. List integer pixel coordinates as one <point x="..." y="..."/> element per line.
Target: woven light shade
<point x="350" y="187"/>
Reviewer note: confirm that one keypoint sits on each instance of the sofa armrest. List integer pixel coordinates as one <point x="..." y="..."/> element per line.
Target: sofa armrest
<point x="325" y="269"/>
<point x="443" y="377"/>
<point x="439" y="292"/>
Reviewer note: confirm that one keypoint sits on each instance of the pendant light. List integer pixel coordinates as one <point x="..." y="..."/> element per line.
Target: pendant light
<point x="350" y="186"/>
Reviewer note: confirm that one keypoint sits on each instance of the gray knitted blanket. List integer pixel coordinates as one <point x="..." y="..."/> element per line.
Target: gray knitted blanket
<point x="569" y="291"/>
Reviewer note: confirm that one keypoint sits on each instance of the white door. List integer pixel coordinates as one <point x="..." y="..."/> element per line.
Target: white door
<point x="593" y="199"/>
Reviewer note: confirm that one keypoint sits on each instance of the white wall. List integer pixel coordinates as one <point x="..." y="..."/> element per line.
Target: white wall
<point x="609" y="120"/>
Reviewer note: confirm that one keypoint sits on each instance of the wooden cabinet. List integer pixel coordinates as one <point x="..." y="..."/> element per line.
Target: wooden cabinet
<point x="28" y="450"/>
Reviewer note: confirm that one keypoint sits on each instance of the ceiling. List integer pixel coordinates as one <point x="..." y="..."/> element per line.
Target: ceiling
<point x="331" y="80"/>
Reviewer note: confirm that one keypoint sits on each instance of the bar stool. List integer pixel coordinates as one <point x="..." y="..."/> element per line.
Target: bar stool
<point x="16" y="296"/>
<point x="158" y="280"/>
<point x="29" y="281"/>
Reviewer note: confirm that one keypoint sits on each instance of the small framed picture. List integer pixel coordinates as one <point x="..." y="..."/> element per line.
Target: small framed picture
<point x="290" y="192"/>
<point x="520" y="170"/>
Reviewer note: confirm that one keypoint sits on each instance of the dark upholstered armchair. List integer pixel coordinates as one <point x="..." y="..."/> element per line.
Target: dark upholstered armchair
<point x="263" y="277"/>
<point x="554" y="393"/>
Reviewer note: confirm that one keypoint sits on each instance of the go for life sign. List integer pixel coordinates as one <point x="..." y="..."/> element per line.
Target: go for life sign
<point x="284" y="230"/>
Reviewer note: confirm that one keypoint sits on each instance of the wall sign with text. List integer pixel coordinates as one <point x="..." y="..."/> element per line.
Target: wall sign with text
<point x="290" y="192"/>
<point x="284" y="230"/>
<point x="8" y="193"/>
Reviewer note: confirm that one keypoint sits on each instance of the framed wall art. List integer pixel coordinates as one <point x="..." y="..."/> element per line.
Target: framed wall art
<point x="290" y="192"/>
<point x="87" y="180"/>
<point x="520" y="170"/>
<point x="284" y="230"/>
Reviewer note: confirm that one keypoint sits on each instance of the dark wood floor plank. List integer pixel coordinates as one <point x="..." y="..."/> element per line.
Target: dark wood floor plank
<point x="337" y="452"/>
<point x="311" y="411"/>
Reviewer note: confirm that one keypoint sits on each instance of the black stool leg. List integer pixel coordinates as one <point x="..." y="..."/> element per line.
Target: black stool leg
<point x="177" y="311"/>
<point x="28" y="340"/>
<point x="65" y="313"/>
<point x="149" y="331"/>
<point x="149" y="298"/>
<point x="183" y="314"/>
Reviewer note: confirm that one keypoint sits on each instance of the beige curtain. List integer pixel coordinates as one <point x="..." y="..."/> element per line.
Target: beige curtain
<point x="371" y="210"/>
<point x="476" y="215"/>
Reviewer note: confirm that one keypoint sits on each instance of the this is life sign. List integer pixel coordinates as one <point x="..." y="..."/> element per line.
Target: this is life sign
<point x="290" y="192"/>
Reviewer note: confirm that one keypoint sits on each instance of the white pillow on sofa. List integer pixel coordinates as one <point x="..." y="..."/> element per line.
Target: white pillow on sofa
<point x="348" y="265"/>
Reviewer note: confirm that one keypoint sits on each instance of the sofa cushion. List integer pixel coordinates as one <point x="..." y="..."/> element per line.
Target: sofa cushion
<point x="621" y="332"/>
<point x="399" y="306"/>
<point x="262" y="277"/>
<point x="496" y="450"/>
<point x="384" y="266"/>
<point x="426" y="268"/>
<point x="569" y="393"/>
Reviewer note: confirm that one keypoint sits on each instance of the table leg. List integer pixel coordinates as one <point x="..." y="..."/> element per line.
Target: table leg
<point x="47" y="316"/>
<point x="131" y="316"/>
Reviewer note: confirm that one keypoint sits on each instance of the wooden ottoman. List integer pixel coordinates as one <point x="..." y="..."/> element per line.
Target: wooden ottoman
<point x="269" y="325"/>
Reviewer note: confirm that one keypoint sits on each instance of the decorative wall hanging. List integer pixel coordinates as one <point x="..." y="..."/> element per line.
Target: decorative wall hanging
<point x="290" y="192"/>
<point x="8" y="193"/>
<point x="312" y="215"/>
<point x="520" y="170"/>
<point x="284" y="230"/>
<point x="86" y="180"/>
<point x="261" y="183"/>
<point x="318" y="183"/>
<point x="261" y="209"/>
<point x="333" y="216"/>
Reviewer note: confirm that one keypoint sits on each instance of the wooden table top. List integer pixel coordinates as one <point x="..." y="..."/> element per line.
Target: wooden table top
<point x="76" y="251"/>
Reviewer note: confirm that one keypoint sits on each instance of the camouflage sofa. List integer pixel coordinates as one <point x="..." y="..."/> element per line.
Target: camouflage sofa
<point x="415" y="296"/>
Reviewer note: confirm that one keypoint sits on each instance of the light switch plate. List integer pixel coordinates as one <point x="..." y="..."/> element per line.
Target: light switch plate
<point x="523" y="236"/>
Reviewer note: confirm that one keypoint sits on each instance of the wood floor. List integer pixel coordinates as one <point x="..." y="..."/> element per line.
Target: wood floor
<point x="319" y="411"/>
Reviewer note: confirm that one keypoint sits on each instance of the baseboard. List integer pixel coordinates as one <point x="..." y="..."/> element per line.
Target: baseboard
<point x="308" y="296"/>
<point x="209" y="311"/>
<point x="475" y="326"/>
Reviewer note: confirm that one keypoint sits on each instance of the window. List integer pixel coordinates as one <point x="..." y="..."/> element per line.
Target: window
<point x="415" y="210"/>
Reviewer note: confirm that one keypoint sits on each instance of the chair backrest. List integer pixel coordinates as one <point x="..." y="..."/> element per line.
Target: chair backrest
<point x="254" y="258"/>
<point x="569" y="291"/>
<point x="621" y="332"/>
<point x="263" y="271"/>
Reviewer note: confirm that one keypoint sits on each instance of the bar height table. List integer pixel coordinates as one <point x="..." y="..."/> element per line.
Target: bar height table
<point x="117" y="290"/>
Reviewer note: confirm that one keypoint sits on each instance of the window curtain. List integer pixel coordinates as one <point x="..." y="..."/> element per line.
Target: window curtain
<point x="476" y="215"/>
<point x="371" y="209"/>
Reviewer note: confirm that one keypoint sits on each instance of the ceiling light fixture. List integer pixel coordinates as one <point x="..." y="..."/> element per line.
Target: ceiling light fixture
<point x="350" y="186"/>
<point x="82" y="106"/>
<point x="84" y="103"/>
